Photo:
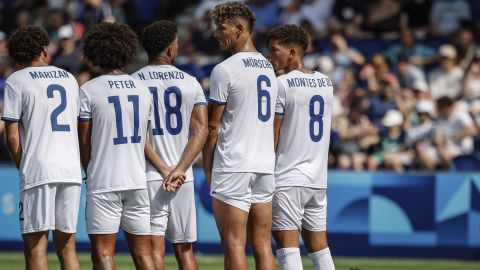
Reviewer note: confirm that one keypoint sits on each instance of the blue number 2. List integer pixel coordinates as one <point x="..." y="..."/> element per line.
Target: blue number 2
<point x="63" y="105"/>
<point x="261" y="93"/>
<point x="169" y="110"/>
<point x="316" y="118"/>
<point x="121" y="138"/>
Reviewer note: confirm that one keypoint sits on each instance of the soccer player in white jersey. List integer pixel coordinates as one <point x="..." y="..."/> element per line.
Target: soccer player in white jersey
<point x="178" y="132"/>
<point x="239" y="155"/>
<point x="114" y="114"/>
<point x="302" y="136"/>
<point x="40" y="111"/>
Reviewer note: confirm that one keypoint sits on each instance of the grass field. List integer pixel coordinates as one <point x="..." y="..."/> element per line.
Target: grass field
<point x="14" y="261"/>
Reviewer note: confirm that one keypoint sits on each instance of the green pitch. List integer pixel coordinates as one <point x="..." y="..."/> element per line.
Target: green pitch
<point x="14" y="261"/>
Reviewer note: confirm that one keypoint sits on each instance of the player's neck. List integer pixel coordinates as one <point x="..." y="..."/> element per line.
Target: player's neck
<point x="160" y="60"/>
<point x="113" y="72"/>
<point x="244" y="46"/>
<point x="35" y="63"/>
<point x="298" y="65"/>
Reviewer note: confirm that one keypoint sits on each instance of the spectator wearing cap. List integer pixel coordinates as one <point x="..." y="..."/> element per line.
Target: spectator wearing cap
<point x="416" y="54"/>
<point x="447" y="79"/>
<point x="421" y="90"/>
<point x="454" y="131"/>
<point x="390" y="152"/>
<point x="419" y="136"/>
<point x="408" y="74"/>
<point x="68" y="55"/>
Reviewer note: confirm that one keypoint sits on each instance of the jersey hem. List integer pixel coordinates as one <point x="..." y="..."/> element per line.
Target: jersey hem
<point x="71" y="181"/>
<point x="115" y="189"/>
<point x="200" y="104"/>
<point x="84" y="119"/>
<point x="299" y="185"/>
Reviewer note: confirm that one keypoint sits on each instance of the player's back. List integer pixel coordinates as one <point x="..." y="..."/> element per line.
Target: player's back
<point x="44" y="100"/>
<point x="175" y="93"/>
<point x="306" y="101"/>
<point x="247" y="85"/>
<point x="118" y="107"/>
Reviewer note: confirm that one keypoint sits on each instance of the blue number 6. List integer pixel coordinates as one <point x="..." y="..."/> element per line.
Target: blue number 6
<point x="63" y="105"/>
<point x="263" y="93"/>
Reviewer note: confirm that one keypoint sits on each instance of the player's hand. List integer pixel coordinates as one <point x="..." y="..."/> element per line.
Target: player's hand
<point x="174" y="180"/>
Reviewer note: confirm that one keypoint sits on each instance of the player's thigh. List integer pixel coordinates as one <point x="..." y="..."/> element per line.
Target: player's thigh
<point x="288" y="209"/>
<point x="37" y="209"/>
<point x="103" y="245"/>
<point x="103" y="212"/>
<point x="234" y="189"/>
<point x="136" y="212"/>
<point x="182" y="220"/>
<point x="67" y="204"/>
<point x="159" y="207"/>
<point x="231" y="222"/>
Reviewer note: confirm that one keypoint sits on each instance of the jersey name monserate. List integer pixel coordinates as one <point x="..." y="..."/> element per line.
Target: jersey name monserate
<point x="175" y="94"/>
<point x="246" y="84"/>
<point x="44" y="100"/>
<point x="305" y="101"/>
<point x="119" y="108"/>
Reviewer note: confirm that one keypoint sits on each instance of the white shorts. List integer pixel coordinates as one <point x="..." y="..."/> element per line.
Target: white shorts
<point x="51" y="206"/>
<point x="295" y="208"/>
<point x="241" y="190"/>
<point x="126" y="209"/>
<point x="173" y="213"/>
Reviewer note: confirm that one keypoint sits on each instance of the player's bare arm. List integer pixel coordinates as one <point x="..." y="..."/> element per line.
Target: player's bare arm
<point x="277" y="123"/>
<point x="215" y="112"/>
<point x="198" y="132"/>
<point x="84" y="137"/>
<point x="13" y="142"/>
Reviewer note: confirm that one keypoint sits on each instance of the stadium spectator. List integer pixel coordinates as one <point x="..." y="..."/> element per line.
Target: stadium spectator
<point x="447" y="15"/>
<point x="471" y="87"/>
<point x="343" y="56"/>
<point x="408" y="74"/>
<point x="316" y="12"/>
<point x="348" y="16"/>
<point x="447" y="79"/>
<point x="377" y="74"/>
<point x="383" y="18"/>
<point x="390" y="151"/>
<point x="356" y="135"/>
<point x="414" y="14"/>
<point x="267" y="13"/>
<point x="466" y="48"/>
<point x="416" y="54"/>
<point x="68" y="55"/>
<point x="454" y="131"/>
<point x="419" y="136"/>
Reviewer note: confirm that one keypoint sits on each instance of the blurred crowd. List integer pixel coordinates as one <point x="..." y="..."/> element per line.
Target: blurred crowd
<point x="406" y="72"/>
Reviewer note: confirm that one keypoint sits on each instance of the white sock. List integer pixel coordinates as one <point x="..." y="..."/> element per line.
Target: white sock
<point x="322" y="260"/>
<point x="289" y="259"/>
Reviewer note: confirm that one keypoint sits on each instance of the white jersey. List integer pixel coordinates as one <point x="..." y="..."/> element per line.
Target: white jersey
<point x="246" y="84"/>
<point x="174" y="93"/>
<point x="44" y="100"/>
<point x="305" y="101"/>
<point x="119" y="108"/>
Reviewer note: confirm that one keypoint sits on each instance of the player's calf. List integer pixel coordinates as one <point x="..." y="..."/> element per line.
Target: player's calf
<point x="66" y="252"/>
<point x="184" y="255"/>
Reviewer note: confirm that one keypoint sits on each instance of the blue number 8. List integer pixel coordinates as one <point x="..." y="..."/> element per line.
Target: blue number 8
<point x="173" y="109"/>
<point x="63" y="105"/>
<point x="263" y="93"/>
<point x="316" y="118"/>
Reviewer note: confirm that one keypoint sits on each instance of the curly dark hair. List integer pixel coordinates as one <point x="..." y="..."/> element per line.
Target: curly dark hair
<point x="289" y="34"/>
<point x="232" y="10"/>
<point x="157" y="36"/>
<point x="110" y="45"/>
<point x="27" y="43"/>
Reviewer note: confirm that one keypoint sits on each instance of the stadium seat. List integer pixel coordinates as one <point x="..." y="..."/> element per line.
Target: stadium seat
<point x="465" y="163"/>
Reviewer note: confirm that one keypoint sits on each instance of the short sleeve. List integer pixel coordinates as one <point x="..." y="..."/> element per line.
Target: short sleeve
<point x="219" y="84"/>
<point x="85" y="107"/>
<point x="12" y="109"/>
<point x="281" y="98"/>
<point x="199" y="95"/>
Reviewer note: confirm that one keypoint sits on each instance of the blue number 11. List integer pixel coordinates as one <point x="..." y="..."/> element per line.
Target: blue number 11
<point x="121" y="138"/>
